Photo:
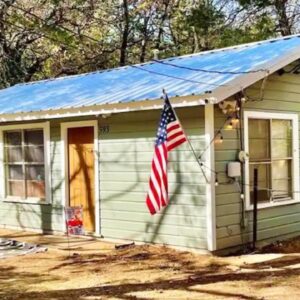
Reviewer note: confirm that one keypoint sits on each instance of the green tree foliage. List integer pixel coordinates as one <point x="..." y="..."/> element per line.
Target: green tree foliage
<point x="50" y="38"/>
<point x="284" y="13"/>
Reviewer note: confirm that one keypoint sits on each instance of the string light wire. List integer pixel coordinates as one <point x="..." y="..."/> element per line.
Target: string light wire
<point x="218" y="132"/>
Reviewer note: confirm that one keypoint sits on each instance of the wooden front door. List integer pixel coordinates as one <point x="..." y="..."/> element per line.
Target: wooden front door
<point x="81" y="173"/>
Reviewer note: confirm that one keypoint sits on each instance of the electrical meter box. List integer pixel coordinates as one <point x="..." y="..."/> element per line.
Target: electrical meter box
<point x="234" y="169"/>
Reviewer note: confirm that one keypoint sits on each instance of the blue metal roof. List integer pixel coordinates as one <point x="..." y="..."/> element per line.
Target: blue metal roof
<point x="133" y="83"/>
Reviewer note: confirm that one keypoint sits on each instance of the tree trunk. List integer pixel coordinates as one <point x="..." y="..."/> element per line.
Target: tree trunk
<point x="145" y="39"/>
<point x="283" y="20"/>
<point x="123" y="54"/>
<point x="161" y="26"/>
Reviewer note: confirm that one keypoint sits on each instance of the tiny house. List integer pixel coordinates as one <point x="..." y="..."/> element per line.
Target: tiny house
<point x="88" y="140"/>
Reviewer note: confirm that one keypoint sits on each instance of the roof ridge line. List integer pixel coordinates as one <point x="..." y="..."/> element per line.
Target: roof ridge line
<point x="236" y="46"/>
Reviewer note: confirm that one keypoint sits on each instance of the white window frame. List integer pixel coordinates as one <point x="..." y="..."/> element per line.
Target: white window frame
<point x="295" y="154"/>
<point x="46" y="131"/>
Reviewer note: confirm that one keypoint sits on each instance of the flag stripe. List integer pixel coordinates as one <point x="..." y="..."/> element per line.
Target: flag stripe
<point x="151" y="208"/>
<point x="175" y="135"/>
<point x="154" y="196"/>
<point x="176" y="144"/>
<point x="158" y="174"/>
<point x="180" y="138"/>
<point x="153" y="200"/>
<point x="162" y="174"/>
<point x="173" y="126"/>
<point x="164" y="169"/>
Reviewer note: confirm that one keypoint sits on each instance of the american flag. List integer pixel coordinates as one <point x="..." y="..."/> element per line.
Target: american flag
<point x="169" y="136"/>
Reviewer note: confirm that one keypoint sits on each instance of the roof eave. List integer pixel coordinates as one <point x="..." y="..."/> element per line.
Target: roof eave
<point x="97" y="110"/>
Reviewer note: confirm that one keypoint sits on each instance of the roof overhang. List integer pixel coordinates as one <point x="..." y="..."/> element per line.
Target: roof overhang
<point x="98" y="110"/>
<point x="245" y="80"/>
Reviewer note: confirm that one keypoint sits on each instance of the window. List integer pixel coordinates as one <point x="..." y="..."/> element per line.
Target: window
<point x="271" y="141"/>
<point x="24" y="163"/>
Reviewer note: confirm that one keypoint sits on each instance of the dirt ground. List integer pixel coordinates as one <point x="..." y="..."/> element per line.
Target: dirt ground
<point x="96" y="270"/>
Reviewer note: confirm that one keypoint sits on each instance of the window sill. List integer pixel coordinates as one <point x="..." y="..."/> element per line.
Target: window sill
<point x="27" y="201"/>
<point x="273" y="204"/>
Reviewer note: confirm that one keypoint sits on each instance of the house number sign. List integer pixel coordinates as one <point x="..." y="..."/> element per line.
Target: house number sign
<point x="104" y="129"/>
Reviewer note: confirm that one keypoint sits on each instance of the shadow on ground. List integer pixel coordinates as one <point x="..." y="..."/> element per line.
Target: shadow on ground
<point x="126" y="291"/>
<point x="194" y="276"/>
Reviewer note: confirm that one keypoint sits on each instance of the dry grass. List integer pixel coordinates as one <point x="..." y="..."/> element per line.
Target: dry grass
<point x="98" y="271"/>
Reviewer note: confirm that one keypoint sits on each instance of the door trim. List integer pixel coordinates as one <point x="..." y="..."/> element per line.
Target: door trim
<point x="65" y="176"/>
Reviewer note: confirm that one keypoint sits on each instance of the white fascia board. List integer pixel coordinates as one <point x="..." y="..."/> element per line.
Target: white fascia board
<point x="96" y="110"/>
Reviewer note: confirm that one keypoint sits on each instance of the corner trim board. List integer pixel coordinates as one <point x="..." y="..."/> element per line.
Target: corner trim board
<point x="210" y="185"/>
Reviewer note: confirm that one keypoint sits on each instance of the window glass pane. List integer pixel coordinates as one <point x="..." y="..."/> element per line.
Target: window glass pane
<point x="259" y="139"/>
<point x="264" y="182"/>
<point x="35" y="189"/>
<point x="281" y="138"/>
<point x="35" y="173"/>
<point x="15" y="172"/>
<point x="35" y="184"/>
<point x="15" y="188"/>
<point x="13" y="154"/>
<point x="34" y="137"/>
<point x="13" y="138"/>
<point x="15" y="180"/>
<point x="282" y="179"/>
<point x="34" y="154"/>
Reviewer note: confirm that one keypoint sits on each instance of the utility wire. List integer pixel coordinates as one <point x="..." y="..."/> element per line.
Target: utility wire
<point x="261" y="92"/>
<point x="210" y="71"/>
<point x="175" y="77"/>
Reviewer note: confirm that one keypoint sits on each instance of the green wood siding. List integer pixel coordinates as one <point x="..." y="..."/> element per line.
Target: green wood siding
<point x="124" y="166"/>
<point x="125" y="160"/>
<point x="282" y="94"/>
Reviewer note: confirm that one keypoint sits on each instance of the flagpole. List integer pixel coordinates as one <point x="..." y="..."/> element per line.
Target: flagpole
<point x="188" y="140"/>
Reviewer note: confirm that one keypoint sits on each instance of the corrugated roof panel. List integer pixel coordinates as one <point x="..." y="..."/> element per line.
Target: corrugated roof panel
<point x="133" y="83"/>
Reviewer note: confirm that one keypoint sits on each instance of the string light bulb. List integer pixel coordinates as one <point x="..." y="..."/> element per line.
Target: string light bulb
<point x="234" y="120"/>
<point x="216" y="181"/>
<point x="230" y="125"/>
<point x="219" y="138"/>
